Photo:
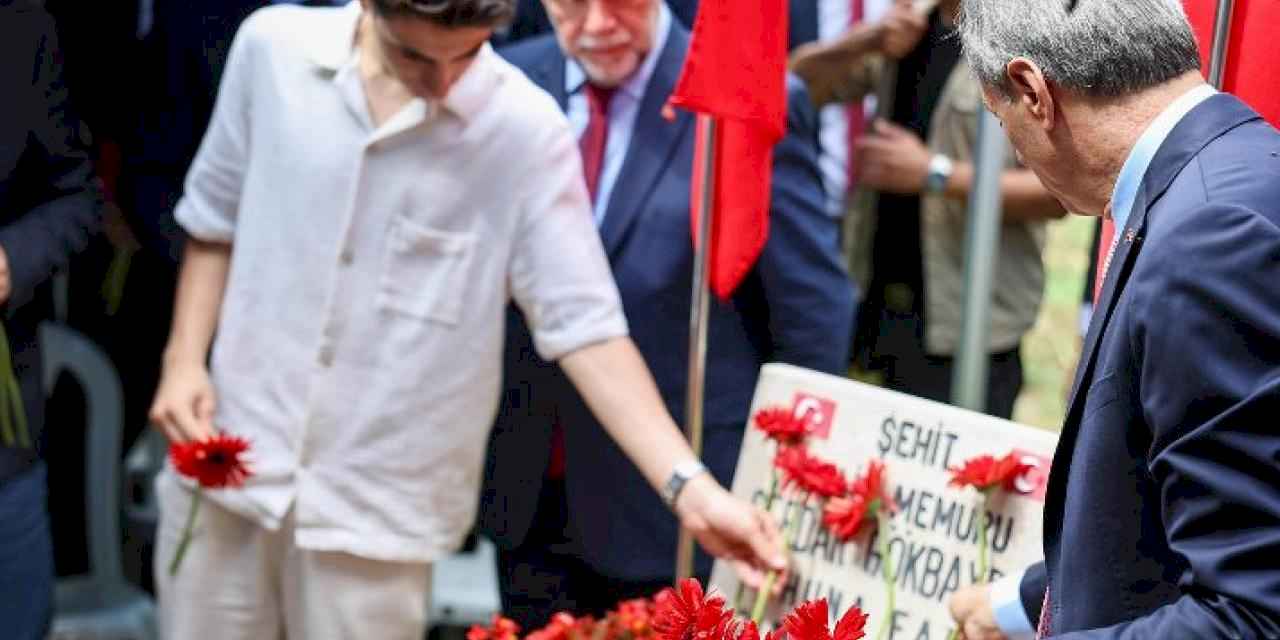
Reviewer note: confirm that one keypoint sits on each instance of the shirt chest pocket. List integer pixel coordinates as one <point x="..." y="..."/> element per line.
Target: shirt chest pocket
<point x="424" y="271"/>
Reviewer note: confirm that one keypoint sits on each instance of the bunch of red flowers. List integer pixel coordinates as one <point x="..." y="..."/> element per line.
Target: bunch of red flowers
<point x="686" y="612"/>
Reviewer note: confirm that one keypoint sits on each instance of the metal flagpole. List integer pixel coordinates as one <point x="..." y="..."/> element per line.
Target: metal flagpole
<point x="698" y="314"/>
<point x="982" y="239"/>
<point x="1221" y="38"/>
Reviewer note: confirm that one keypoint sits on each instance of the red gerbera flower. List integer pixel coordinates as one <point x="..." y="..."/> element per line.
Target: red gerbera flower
<point x="809" y="622"/>
<point x="500" y="629"/>
<point x="633" y="617"/>
<point x="781" y="425"/>
<point x="214" y="463"/>
<point x="809" y="473"/>
<point x="682" y="613"/>
<point x="873" y="488"/>
<point x="986" y="472"/>
<point x="845" y="516"/>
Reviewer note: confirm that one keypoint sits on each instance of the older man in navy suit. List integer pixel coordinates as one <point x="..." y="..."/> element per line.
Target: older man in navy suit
<point x="590" y="535"/>
<point x="1163" y="513"/>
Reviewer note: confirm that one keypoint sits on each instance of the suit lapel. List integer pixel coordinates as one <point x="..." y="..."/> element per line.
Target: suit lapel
<point x="549" y="75"/>
<point x="653" y="142"/>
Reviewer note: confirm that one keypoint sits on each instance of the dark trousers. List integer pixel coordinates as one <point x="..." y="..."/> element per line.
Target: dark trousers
<point x="26" y="557"/>
<point x="892" y="344"/>
<point x="546" y="573"/>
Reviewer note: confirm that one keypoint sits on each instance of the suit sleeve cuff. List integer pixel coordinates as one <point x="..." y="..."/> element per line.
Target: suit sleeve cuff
<point x="1006" y="604"/>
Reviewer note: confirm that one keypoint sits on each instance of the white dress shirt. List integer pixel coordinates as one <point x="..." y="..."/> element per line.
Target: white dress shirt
<point x="624" y="106"/>
<point x="360" y="338"/>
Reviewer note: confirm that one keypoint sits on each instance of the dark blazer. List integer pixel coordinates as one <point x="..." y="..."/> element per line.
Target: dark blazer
<point x="1163" y="513"/>
<point x="796" y="306"/>
<point x="50" y="203"/>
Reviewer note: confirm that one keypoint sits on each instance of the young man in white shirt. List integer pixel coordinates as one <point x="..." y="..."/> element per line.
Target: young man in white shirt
<point x="375" y="186"/>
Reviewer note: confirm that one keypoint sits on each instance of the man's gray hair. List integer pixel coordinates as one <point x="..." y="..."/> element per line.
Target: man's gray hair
<point x="1098" y="48"/>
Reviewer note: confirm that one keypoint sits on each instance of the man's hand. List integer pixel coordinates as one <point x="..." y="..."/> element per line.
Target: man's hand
<point x="971" y="608"/>
<point x="902" y="27"/>
<point x="6" y="279"/>
<point x="892" y="159"/>
<point x="184" y="404"/>
<point x="730" y="528"/>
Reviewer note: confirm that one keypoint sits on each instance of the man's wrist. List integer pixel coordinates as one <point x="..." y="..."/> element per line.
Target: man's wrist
<point x="1007" y="609"/>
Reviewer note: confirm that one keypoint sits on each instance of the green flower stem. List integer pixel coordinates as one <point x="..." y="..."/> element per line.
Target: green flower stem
<point x="982" y="549"/>
<point x="7" y="402"/>
<point x="788" y="536"/>
<point x="768" y="507"/>
<point x="186" y="532"/>
<point x="887" y="571"/>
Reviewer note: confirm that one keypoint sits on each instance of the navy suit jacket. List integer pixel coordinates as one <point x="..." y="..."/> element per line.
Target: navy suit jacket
<point x="1163" y="513"/>
<point x="796" y="306"/>
<point x="50" y="203"/>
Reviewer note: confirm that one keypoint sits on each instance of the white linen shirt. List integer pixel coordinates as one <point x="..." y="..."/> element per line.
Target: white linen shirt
<point x="359" y="345"/>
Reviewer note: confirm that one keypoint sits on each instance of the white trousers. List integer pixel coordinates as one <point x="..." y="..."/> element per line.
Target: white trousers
<point x="239" y="581"/>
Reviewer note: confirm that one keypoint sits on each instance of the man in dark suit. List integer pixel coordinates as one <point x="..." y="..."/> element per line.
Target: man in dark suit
<point x="590" y="534"/>
<point x="1162" y="518"/>
<point x="49" y="206"/>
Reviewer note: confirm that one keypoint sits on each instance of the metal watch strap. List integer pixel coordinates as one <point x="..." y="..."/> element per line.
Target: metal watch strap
<point x="680" y="476"/>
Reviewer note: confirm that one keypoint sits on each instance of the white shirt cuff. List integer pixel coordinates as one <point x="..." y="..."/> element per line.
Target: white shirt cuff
<point x="1086" y="316"/>
<point x="1006" y="603"/>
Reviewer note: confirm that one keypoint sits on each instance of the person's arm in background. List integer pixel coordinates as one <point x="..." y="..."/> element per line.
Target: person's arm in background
<point x="185" y="401"/>
<point x="69" y="210"/>
<point x="811" y="299"/>
<point x="894" y="159"/>
<point x="844" y="69"/>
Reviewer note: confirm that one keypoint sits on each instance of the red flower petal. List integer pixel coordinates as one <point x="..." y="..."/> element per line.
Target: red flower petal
<point x="851" y="625"/>
<point x="808" y="622"/>
<point x="781" y="425"/>
<point x="845" y="516"/>
<point x="678" y="614"/>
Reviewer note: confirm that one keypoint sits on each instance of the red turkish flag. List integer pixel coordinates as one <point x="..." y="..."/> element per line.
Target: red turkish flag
<point x="736" y="73"/>
<point x="1251" y="72"/>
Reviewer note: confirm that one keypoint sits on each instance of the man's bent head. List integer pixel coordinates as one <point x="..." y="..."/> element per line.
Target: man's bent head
<point x="429" y="44"/>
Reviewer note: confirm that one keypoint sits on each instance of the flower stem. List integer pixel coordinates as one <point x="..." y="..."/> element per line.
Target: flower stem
<point x="186" y="531"/>
<point x="887" y="571"/>
<point x="982" y="551"/>
<point x="768" y="506"/>
<point x="788" y="536"/>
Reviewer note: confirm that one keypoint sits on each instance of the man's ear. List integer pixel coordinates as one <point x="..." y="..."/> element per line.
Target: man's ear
<point x="1029" y="90"/>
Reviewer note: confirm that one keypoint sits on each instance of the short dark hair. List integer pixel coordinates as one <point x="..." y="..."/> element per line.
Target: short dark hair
<point x="451" y="13"/>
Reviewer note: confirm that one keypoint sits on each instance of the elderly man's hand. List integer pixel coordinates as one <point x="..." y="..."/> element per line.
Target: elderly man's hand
<point x="6" y="279"/>
<point x="731" y="529"/>
<point x="892" y="159"/>
<point x="971" y="608"/>
<point x="901" y="30"/>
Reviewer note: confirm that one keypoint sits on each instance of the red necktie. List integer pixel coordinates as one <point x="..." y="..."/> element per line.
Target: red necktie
<point x="592" y="145"/>
<point x="857" y="113"/>
<point x="1105" y="245"/>
<point x="596" y="136"/>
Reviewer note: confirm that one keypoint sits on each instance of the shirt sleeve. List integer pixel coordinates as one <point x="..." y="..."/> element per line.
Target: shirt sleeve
<point x="211" y="193"/>
<point x="559" y="276"/>
<point x="1006" y="603"/>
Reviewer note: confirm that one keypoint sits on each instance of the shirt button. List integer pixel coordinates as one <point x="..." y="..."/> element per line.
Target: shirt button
<point x="346" y="257"/>
<point x="326" y="356"/>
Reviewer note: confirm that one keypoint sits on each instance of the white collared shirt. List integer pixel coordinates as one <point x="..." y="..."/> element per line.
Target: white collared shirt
<point x="360" y="340"/>
<point x="623" y="108"/>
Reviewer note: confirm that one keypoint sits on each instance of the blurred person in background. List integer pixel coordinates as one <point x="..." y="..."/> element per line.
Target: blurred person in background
<point x="908" y="254"/>
<point x="50" y="205"/>
<point x="574" y="524"/>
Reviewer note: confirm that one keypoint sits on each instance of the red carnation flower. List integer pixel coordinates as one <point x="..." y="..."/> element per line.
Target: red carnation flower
<point x="873" y="488"/>
<point x="781" y="425"/>
<point x="682" y="613"/>
<point x="633" y="617"/>
<point x="500" y="629"/>
<point x="986" y="472"/>
<point x="214" y="463"/>
<point x="809" y="622"/>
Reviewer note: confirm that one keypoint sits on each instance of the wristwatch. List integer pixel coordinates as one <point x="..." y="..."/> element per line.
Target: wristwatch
<point x="680" y="476"/>
<point x="940" y="168"/>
